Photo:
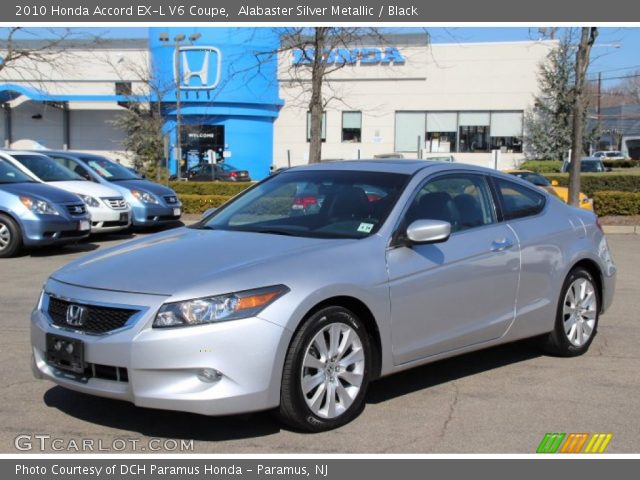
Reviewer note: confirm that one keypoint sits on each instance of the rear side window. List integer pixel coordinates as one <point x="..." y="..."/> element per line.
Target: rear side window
<point x="518" y="201"/>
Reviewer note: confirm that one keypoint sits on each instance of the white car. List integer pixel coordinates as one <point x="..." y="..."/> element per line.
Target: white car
<point x="109" y="210"/>
<point x="610" y="155"/>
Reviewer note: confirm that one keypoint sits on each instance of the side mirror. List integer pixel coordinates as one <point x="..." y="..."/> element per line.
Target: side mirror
<point x="208" y="212"/>
<point x="555" y="183"/>
<point x="428" y="231"/>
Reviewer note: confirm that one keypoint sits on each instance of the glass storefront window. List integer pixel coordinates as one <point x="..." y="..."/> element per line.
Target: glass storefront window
<point x="352" y="127"/>
<point x="440" y="142"/>
<point x="474" y="139"/>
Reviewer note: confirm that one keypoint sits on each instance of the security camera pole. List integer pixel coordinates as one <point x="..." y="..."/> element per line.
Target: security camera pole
<point x="177" y="41"/>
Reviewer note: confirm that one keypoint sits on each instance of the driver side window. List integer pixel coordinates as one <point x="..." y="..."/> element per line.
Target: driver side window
<point x="463" y="200"/>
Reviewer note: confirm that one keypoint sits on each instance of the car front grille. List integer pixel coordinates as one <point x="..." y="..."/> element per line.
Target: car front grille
<point x="171" y="199"/>
<point x="98" y="320"/>
<point x="76" y="209"/>
<point x="117" y="203"/>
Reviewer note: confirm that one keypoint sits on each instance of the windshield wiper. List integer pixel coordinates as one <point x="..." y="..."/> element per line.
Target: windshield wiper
<point x="272" y="231"/>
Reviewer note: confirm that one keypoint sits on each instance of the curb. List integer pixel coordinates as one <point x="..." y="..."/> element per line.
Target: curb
<point x="621" y="229"/>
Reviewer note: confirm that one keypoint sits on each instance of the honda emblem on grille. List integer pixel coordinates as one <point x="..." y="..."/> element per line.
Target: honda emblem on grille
<point x="76" y="315"/>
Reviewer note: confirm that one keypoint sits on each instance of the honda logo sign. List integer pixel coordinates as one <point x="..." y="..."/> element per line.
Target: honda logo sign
<point x="76" y="315"/>
<point x="197" y="67"/>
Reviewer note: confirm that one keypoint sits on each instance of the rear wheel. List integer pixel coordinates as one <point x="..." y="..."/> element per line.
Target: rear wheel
<point x="326" y="371"/>
<point x="10" y="238"/>
<point x="577" y="316"/>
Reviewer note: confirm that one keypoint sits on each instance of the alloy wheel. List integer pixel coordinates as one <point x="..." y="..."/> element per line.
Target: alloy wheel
<point x="332" y="370"/>
<point x="5" y="236"/>
<point x="580" y="311"/>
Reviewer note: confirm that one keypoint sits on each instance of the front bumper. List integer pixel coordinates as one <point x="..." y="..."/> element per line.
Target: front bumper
<point x="162" y="365"/>
<point x="105" y="219"/>
<point x="53" y="229"/>
<point x="149" y="215"/>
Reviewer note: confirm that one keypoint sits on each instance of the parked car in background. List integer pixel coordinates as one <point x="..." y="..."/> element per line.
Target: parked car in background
<point x="301" y="312"/>
<point x="222" y="172"/>
<point x="108" y="209"/>
<point x="610" y="155"/>
<point x="439" y="157"/>
<point x="383" y="156"/>
<point x="152" y="204"/>
<point x="587" y="165"/>
<point x="33" y="213"/>
<point x="553" y="188"/>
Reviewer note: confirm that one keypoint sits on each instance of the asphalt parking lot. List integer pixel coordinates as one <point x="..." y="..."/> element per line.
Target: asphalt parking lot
<point x="501" y="400"/>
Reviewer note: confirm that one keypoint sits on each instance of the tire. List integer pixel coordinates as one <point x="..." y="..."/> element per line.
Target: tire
<point x="307" y="364"/>
<point x="10" y="237"/>
<point x="575" y="329"/>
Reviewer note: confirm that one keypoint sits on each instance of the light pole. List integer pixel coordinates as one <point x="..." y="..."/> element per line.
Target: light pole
<point x="177" y="41"/>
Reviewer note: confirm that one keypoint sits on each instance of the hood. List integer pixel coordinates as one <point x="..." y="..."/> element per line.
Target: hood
<point x="87" y="188"/>
<point x="41" y="190"/>
<point x="146" y="185"/>
<point x="185" y="260"/>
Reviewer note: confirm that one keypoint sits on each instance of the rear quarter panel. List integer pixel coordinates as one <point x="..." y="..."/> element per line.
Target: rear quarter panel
<point x="551" y="243"/>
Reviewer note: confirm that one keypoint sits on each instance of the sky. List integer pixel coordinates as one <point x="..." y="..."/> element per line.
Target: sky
<point x="615" y="54"/>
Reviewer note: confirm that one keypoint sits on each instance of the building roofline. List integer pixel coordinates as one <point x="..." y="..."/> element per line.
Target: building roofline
<point x="78" y="44"/>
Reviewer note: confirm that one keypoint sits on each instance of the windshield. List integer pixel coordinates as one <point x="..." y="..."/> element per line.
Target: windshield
<point x="47" y="169"/>
<point x="535" y="178"/>
<point x="10" y="174"/>
<point x="226" y="167"/>
<point x="109" y="170"/>
<point x="316" y="204"/>
<point x="591" y="166"/>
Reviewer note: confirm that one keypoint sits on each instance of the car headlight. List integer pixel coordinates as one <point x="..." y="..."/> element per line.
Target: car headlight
<point x="38" y="206"/>
<point x="218" y="308"/>
<point x="144" y="197"/>
<point x="89" y="200"/>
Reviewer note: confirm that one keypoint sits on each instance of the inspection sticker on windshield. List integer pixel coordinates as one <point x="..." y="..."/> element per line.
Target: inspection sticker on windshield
<point x="365" y="227"/>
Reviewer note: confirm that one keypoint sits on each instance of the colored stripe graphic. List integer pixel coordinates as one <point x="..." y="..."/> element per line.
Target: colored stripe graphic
<point x="598" y="443"/>
<point x="550" y="442"/>
<point x="574" y="442"/>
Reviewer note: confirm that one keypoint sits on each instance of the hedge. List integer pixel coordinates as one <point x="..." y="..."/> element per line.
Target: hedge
<point x="617" y="203"/>
<point x="590" y="183"/>
<point x="199" y="203"/>
<point x="228" y="189"/>
<point x="621" y="163"/>
<point x="542" y="166"/>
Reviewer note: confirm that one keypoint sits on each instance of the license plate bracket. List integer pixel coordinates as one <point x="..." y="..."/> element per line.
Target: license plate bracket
<point x="65" y="353"/>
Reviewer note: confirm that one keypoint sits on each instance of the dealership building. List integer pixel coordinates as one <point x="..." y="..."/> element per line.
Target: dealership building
<point x="243" y="100"/>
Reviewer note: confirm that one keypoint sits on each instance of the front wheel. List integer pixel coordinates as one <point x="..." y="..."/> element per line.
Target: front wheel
<point x="10" y="237"/>
<point x="577" y="316"/>
<point x="326" y="371"/>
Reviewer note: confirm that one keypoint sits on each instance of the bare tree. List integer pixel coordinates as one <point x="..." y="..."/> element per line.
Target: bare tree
<point x="142" y="119"/>
<point x="588" y="37"/>
<point x="319" y="52"/>
<point x="630" y="87"/>
<point x="30" y="55"/>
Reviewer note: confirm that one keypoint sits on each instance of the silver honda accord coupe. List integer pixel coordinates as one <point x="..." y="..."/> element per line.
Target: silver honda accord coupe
<point x="303" y="289"/>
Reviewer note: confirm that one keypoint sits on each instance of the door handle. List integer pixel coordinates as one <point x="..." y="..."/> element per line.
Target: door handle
<point x="501" y="244"/>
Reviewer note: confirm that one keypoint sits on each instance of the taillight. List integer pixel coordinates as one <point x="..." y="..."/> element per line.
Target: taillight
<point x="599" y="225"/>
<point x="304" y="202"/>
<point x="233" y="174"/>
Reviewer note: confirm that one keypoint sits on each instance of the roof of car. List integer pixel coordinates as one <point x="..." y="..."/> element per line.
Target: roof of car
<point x="395" y="165"/>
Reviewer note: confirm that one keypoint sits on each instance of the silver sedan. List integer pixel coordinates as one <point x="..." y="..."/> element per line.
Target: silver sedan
<point x="305" y="288"/>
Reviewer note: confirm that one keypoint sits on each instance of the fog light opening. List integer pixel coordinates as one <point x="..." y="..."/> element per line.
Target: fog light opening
<point x="209" y="375"/>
